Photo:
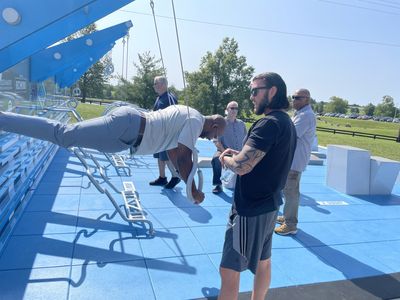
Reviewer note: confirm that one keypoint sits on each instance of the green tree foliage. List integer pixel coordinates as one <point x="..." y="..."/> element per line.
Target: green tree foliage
<point x="319" y="107"/>
<point x="337" y="105"/>
<point x="109" y="91"/>
<point x="140" y="91"/>
<point x="369" y="109"/>
<point x="84" y="31"/>
<point x="354" y="109"/>
<point x="92" y="82"/>
<point x="386" y="108"/>
<point x="223" y="76"/>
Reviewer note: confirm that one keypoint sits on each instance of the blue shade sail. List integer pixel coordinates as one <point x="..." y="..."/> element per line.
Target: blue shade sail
<point x="29" y="26"/>
<point x="68" y="76"/>
<point x="87" y="49"/>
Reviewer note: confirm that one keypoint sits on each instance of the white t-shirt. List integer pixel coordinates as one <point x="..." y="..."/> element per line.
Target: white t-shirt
<point x="165" y="128"/>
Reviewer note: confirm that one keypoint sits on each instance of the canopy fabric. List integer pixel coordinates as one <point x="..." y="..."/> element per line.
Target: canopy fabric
<point x="74" y="54"/>
<point x="29" y="26"/>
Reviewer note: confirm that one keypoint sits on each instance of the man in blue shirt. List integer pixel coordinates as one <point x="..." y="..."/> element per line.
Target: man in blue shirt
<point x="164" y="99"/>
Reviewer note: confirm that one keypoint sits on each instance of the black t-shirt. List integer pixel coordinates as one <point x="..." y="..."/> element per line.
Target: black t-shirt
<point x="259" y="191"/>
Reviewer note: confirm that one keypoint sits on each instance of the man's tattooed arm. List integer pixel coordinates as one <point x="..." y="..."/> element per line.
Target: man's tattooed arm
<point x="243" y="162"/>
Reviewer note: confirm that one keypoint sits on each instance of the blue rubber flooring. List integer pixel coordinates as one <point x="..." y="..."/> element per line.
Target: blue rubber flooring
<point x="71" y="244"/>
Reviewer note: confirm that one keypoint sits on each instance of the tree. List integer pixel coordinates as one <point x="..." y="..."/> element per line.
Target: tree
<point x="386" y="108"/>
<point x="337" y="105"/>
<point x="222" y="77"/>
<point x="141" y="91"/>
<point x="319" y="107"/>
<point x="92" y="82"/>
<point x="109" y="91"/>
<point x="354" y="109"/>
<point x="369" y="109"/>
<point x="80" y="33"/>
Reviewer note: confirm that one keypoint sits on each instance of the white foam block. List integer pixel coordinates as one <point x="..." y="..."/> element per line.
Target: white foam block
<point x="383" y="174"/>
<point x="348" y="169"/>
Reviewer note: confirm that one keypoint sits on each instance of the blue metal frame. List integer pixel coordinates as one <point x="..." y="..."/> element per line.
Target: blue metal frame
<point x="67" y="58"/>
<point x="70" y="75"/>
<point x="44" y="22"/>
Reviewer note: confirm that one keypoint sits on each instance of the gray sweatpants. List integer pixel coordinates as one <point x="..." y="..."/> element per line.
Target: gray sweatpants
<point x="114" y="132"/>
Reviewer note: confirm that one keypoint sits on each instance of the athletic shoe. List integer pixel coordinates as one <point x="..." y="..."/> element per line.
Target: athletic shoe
<point x="172" y="183"/>
<point x="280" y="220"/>
<point x="159" y="181"/>
<point x="217" y="189"/>
<point x="285" y="229"/>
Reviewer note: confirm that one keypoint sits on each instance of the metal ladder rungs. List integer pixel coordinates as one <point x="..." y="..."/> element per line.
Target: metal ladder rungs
<point x="133" y="211"/>
<point x="118" y="160"/>
<point x="129" y="186"/>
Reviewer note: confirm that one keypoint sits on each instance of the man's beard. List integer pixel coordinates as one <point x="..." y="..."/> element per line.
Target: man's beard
<point x="260" y="109"/>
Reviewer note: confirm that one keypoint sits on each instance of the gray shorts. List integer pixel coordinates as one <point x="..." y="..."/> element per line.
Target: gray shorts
<point x="247" y="241"/>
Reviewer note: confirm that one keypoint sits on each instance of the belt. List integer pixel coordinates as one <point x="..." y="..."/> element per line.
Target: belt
<point x="141" y="131"/>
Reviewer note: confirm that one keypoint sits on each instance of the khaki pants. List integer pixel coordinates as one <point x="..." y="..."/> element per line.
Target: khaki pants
<point x="292" y="198"/>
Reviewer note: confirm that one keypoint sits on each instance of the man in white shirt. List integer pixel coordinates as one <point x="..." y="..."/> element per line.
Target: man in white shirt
<point x="174" y="129"/>
<point x="304" y="121"/>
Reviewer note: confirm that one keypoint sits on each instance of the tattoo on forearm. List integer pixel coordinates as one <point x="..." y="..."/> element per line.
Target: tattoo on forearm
<point x="246" y="160"/>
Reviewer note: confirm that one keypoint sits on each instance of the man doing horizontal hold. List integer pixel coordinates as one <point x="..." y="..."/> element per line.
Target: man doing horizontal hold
<point x="174" y="129"/>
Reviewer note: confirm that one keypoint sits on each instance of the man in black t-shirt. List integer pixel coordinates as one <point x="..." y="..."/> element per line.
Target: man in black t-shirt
<point x="262" y="167"/>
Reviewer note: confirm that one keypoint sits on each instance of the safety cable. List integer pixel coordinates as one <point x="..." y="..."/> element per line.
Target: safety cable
<point x="158" y="37"/>
<point x="159" y="48"/>
<point x="194" y="150"/>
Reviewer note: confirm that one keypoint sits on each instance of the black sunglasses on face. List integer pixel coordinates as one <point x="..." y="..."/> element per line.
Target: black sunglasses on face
<point x="298" y="97"/>
<point x="233" y="108"/>
<point x="254" y="91"/>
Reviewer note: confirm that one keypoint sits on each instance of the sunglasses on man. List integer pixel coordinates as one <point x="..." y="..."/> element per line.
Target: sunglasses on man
<point x="254" y="91"/>
<point x="298" y="97"/>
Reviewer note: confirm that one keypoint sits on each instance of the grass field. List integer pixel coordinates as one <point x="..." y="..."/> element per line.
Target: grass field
<point x="367" y="126"/>
<point x="90" y="111"/>
<point x="388" y="149"/>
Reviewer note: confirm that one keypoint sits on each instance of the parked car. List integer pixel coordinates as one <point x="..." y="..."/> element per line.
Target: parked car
<point x="353" y="116"/>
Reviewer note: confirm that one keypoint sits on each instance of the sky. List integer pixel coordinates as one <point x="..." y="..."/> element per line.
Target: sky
<point x="344" y="48"/>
